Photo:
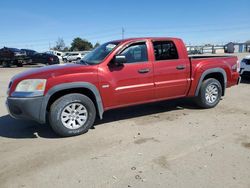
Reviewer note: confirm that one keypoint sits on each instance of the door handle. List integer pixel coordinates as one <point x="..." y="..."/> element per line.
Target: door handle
<point x="142" y="71"/>
<point x="180" y="67"/>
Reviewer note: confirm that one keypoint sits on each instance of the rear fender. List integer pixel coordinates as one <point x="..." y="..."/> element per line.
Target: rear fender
<point x="207" y="72"/>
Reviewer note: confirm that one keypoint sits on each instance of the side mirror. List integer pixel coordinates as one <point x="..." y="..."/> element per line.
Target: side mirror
<point x="120" y="59"/>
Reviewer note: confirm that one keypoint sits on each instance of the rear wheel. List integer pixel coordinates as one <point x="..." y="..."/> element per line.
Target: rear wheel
<point x="72" y="115"/>
<point x="210" y="93"/>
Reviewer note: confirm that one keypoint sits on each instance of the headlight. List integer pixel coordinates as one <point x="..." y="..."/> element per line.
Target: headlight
<point x="31" y="85"/>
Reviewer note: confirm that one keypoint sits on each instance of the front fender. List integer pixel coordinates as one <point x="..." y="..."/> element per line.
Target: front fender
<point x="71" y="85"/>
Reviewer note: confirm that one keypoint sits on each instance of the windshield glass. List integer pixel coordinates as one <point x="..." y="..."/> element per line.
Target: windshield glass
<point x="99" y="54"/>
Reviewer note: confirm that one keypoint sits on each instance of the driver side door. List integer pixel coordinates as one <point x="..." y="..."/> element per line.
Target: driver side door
<point x="132" y="82"/>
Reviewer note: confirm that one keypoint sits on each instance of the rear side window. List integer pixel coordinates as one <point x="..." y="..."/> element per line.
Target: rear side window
<point x="165" y="50"/>
<point x="136" y="53"/>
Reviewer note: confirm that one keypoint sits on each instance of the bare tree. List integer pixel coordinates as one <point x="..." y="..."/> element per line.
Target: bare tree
<point x="96" y="44"/>
<point x="60" y="45"/>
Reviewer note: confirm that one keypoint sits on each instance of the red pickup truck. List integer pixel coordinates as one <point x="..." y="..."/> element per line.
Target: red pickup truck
<point x="118" y="74"/>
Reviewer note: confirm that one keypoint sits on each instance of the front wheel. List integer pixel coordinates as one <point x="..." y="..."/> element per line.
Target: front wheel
<point x="210" y="93"/>
<point x="72" y="114"/>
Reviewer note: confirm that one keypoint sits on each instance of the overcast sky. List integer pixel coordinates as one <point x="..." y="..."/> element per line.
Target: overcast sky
<point x="38" y="24"/>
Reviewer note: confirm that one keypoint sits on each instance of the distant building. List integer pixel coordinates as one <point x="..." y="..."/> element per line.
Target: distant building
<point x="237" y="47"/>
<point x="229" y="48"/>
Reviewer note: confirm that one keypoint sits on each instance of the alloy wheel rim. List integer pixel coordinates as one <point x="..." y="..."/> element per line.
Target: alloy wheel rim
<point x="211" y="94"/>
<point x="74" y="116"/>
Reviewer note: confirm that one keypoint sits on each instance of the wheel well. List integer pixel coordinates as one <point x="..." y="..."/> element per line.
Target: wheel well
<point x="218" y="76"/>
<point x="61" y="93"/>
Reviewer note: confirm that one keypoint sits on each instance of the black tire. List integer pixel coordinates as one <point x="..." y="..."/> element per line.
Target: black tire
<point x="19" y="65"/>
<point x="60" y="105"/>
<point x="201" y="100"/>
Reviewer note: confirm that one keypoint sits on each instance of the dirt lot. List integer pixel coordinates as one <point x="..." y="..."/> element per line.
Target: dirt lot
<point x="168" y="144"/>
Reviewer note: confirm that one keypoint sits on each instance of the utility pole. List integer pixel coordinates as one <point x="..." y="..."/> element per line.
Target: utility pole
<point x="123" y="31"/>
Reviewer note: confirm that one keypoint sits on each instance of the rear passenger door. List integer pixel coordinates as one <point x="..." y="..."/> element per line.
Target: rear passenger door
<point x="171" y="72"/>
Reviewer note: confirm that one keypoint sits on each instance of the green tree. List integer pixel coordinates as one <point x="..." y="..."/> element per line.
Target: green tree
<point x="79" y="44"/>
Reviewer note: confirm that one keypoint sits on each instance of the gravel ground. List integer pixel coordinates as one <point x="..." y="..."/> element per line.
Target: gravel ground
<point x="166" y="144"/>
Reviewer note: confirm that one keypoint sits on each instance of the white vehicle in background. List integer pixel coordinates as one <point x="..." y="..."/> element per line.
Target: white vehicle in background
<point x="56" y="53"/>
<point x="245" y="66"/>
<point x="74" y="56"/>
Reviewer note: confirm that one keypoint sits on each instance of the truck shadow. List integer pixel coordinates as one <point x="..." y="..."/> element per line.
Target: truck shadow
<point x="20" y="129"/>
<point x="145" y="110"/>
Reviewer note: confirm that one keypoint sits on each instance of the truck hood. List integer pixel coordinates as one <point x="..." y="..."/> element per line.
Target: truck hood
<point x="53" y="71"/>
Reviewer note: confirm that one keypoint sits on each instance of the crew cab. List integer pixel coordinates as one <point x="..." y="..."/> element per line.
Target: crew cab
<point x="117" y="74"/>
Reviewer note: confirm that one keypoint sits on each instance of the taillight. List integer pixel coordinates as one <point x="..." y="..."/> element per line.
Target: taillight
<point x="236" y="67"/>
<point x="51" y="59"/>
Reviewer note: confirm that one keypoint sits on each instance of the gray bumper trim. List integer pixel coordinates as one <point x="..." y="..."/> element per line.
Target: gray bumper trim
<point x="25" y="108"/>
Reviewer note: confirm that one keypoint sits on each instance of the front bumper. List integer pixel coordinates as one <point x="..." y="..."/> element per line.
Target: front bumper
<point x="244" y="72"/>
<point x="25" y="108"/>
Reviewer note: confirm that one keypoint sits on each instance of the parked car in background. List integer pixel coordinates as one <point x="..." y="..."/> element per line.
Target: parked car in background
<point x="12" y="56"/>
<point x="194" y="51"/>
<point x="245" y="66"/>
<point x="74" y="56"/>
<point x="45" y="58"/>
<point x="119" y="74"/>
<point x="28" y="52"/>
<point x="56" y="53"/>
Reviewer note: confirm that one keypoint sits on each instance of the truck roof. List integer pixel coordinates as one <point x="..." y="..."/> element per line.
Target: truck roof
<point x="147" y="38"/>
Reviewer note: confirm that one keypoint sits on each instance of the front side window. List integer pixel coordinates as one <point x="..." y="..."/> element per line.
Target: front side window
<point x="165" y="50"/>
<point x="136" y="53"/>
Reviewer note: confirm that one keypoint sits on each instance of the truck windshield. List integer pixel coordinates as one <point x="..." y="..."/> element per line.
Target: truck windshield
<point x="99" y="54"/>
